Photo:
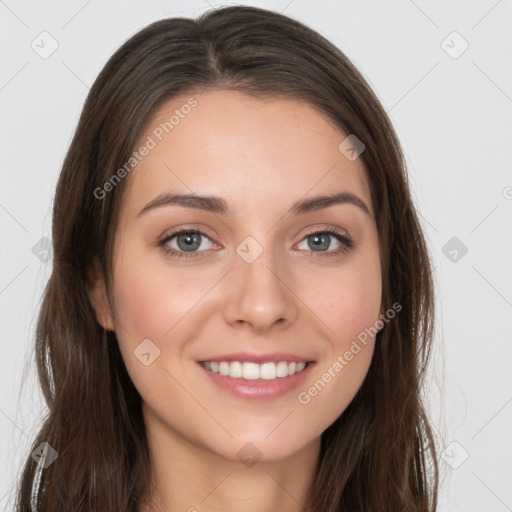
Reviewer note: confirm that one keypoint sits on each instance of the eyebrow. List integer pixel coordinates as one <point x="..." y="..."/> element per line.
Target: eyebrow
<point x="218" y="205"/>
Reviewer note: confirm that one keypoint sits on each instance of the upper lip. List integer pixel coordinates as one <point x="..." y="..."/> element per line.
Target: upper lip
<point x="252" y="357"/>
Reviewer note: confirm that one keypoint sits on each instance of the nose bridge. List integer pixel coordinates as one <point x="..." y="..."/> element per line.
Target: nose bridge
<point x="258" y="293"/>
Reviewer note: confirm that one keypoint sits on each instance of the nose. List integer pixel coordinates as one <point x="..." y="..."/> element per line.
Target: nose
<point x="258" y="295"/>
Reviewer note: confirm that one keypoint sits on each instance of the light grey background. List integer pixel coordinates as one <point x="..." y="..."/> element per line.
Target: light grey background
<point x="453" y="114"/>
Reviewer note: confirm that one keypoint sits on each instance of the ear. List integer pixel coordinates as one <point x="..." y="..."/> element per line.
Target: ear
<point x="97" y="291"/>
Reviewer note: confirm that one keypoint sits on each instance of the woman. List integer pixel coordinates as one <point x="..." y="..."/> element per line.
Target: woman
<point x="240" y="312"/>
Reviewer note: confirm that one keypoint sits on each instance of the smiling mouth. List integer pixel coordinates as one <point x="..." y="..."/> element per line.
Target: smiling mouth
<point x="254" y="371"/>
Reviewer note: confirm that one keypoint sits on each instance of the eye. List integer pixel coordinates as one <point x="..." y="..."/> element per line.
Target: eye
<point x="190" y="242"/>
<point x="320" y="241"/>
<point x="187" y="243"/>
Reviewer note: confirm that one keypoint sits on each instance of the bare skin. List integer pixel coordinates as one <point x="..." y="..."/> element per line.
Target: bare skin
<point x="260" y="156"/>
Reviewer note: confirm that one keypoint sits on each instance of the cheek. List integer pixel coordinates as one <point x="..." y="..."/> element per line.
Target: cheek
<point x="348" y="304"/>
<point x="157" y="304"/>
<point x="150" y="300"/>
<point x="348" y="301"/>
<point x="148" y="304"/>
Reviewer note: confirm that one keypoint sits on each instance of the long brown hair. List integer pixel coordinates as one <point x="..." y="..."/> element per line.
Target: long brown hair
<point x="379" y="455"/>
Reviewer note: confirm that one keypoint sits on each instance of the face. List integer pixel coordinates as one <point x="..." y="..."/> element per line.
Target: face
<point x="253" y="285"/>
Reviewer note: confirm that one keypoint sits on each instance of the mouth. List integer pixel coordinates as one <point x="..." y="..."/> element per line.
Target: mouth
<point x="253" y="380"/>
<point x="253" y="371"/>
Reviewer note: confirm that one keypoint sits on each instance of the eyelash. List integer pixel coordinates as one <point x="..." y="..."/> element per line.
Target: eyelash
<point x="347" y="243"/>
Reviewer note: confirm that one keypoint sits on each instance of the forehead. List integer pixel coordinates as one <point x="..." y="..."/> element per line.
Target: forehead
<point x="251" y="151"/>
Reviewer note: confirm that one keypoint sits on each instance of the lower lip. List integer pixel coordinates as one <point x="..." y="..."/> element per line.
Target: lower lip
<point x="259" y="389"/>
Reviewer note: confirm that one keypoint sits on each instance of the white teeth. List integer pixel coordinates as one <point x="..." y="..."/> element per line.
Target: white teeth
<point x="268" y="371"/>
<point x="254" y="371"/>
<point x="282" y="369"/>
<point x="235" y="370"/>
<point x="251" y="371"/>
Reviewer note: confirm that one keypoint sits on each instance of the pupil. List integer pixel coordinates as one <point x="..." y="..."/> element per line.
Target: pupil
<point x="189" y="239"/>
<point x="317" y="238"/>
